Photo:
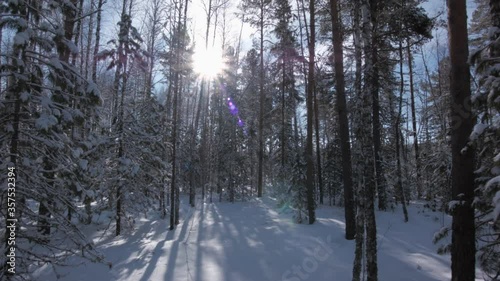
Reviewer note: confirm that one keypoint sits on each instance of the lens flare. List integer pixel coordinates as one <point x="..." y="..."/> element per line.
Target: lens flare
<point x="232" y="107"/>
<point x="234" y="111"/>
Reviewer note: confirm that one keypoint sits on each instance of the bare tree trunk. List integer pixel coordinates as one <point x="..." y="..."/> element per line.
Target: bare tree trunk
<point x="155" y="21"/>
<point x="283" y="123"/>
<point x="414" y="121"/>
<point x="261" y="104"/>
<point x="397" y="131"/>
<point x="343" y="121"/>
<point x="318" y="148"/>
<point x="100" y="3"/>
<point x="89" y="39"/>
<point x="238" y="48"/>
<point x="375" y="88"/>
<point x="176" y="90"/>
<point x="429" y="196"/>
<point x="120" y="92"/>
<point x="78" y="34"/>
<point x="368" y="142"/>
<point x="310" y="115"/>
<point x="174" y="161"/>
<point x="463" y="247"/>
<point x="360" y="235"/>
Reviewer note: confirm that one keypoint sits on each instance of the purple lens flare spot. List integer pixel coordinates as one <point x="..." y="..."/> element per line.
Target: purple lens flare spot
<point x="232" y="107"/>
<point x="234" y="111"/>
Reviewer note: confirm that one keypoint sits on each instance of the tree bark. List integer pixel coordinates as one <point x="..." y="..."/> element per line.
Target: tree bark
<point x="310" y="118"/>
<point x="343" y="122"/>
<point x="176" y="90"/>
<point x="367" y="142"/>
<point x="397" y="133"/>
<point x="318" y="148"/>
<point x="463" y="247"/>
<point x="100" y="3"/>
<point x="375" y="89"/>
<point x="261" y="104"/>
<point x="414" y="121"/>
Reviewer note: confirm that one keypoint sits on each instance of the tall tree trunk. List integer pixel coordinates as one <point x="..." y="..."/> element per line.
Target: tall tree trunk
<point x="90" y="33"/>
<point x="78" y="35"/>
<point x="318" y="148"/>
<point x="179" y="86"/>
<point x="121" y="135"/>
<point x="176" y="88"/>
<point x="427" y="183"/>
<point x="463" y="247"/>
<point x="151" y="46"/>
<point x="310" y="115"/>
<point x="69" y="14"/>
<point x="100" y="3"/>
<point x="204" y="109"/>
<point x="359" y="202"/>
<point x="283" y="121"/>
<point x="375" y="88"/>
<point x="179" y="51"/>
<point x="174" y="160"/>
<point x="367" y="140"/>
<point x="194" y="131"/>
<point x="119" y="93"/>
<point x="261" y="104"/>
<point x="397" y="133"/>
<point x="182" y="47"/>
<point x="414" y="121"/>
<point x="343" y="123"/>
<point x="360" y="235"/>
<point x="204" y="141"/>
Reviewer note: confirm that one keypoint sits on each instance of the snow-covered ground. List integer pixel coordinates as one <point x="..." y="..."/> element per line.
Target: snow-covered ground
<point x="257" y="241"/>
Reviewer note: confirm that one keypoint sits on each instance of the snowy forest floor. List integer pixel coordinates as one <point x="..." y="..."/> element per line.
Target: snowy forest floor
<point x="256" y="241"/>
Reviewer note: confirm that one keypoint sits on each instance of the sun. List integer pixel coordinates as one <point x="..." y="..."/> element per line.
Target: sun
<point x="208" y="62"/>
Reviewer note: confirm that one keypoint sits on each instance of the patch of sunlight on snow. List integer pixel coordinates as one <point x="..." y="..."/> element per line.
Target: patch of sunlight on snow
<point x="335" y="221"/>
<point x="428" y="265"/>
<point x="253" y="243"/>
<point x="210" y="270"/>
<point x="233" y="230"/>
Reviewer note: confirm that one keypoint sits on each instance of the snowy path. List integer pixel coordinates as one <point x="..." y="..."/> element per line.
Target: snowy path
<point x="252" y="241"/>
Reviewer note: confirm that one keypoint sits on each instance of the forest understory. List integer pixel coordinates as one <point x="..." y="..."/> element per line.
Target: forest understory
<point x="218" y="139"/>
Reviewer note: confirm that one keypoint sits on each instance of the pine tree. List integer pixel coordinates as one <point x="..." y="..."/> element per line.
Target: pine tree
<point x="42" y="87"/>
<point x="485" y="135"/>
<point x="126" y="49"/>
<point x="256" y="11"/>
<point x="286" y="56"/>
